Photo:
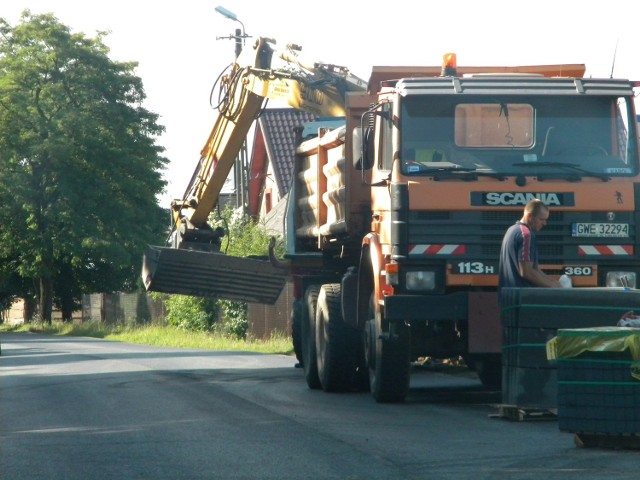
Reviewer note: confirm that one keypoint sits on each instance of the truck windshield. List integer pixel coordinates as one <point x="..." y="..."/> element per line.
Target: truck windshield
<point x="594" y="135"/>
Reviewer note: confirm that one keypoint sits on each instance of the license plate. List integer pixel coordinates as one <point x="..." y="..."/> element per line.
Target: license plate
<point x="600" y="230"/>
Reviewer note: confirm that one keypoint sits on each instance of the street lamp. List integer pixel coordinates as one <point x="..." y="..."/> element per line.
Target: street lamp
<point x="240" y="35"/>
<point x="230" y="15"/>
<point x="241" y="164"/>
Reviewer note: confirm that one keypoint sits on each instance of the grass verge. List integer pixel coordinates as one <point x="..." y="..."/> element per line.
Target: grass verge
<point x="159" y="335"/>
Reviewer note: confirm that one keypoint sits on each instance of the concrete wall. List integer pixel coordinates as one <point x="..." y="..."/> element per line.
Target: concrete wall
<point x="108" y="308"/>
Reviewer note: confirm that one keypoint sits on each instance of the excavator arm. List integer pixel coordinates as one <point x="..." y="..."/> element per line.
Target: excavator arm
<point x="193" y="264"/>
<point x="237" y="110"/>
<point x="319" y="89"/>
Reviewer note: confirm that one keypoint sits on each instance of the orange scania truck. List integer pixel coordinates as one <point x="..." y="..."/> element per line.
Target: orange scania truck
<point x="395" y="219"/>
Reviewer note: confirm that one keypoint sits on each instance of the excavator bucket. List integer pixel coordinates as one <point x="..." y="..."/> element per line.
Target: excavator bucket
<point x="205" y="274"/>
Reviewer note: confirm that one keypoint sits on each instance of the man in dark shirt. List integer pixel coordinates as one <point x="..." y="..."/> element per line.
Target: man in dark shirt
<point x="519" y="253"/>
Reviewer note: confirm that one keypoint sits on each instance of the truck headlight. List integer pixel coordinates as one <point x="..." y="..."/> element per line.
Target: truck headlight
<point x="420" y="280"/>
<point x="621" y="279"/>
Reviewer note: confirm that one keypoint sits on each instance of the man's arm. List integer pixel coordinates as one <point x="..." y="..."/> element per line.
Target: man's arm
<point x="537" y="276"/>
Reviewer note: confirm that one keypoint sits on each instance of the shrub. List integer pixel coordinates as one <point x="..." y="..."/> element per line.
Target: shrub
<point x="191" y="313"/>
<point x="235" y="321"/>
<point x="244" y="238"/>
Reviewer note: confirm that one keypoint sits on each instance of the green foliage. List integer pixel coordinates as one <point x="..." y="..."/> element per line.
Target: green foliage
<point x="235" y="321"/>
<point x="244" y="238"/>
<point x="191" y="313"/>
<point x="160" y="335"/>
<point x="79" y="166"/>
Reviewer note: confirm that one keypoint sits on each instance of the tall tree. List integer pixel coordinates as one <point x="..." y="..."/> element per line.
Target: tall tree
<point x="79" y="165"/>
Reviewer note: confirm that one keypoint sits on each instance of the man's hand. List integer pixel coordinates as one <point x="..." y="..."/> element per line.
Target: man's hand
<point x="537" y="276"/>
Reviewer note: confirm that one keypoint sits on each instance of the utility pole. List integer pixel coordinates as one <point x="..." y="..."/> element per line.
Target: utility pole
<point x="241" y="165"/>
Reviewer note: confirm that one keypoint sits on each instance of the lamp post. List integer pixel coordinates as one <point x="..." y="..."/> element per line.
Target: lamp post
<point x="240" y="172"/>
<point x="240" y="34"/>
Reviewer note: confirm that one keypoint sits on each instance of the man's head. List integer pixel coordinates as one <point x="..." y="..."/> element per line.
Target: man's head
<point x="536" y="214"/>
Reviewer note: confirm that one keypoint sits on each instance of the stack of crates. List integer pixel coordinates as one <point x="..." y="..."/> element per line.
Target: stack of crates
<point x="598" y="380"/>
<point x="531" y="317"/>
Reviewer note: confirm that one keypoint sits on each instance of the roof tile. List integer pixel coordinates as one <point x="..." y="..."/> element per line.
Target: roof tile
<point x="278" y="128"/>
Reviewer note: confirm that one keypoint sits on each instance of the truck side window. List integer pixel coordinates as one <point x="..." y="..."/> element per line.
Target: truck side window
<point x="386" y="138"/>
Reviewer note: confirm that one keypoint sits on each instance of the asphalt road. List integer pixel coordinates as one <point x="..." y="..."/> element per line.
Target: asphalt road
<point x="82" y="408"/>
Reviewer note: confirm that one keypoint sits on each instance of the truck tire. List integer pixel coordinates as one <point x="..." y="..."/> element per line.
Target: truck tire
<point x="489" y="371"/>
<point x="488" y="367"/>
<point x="297" y="311"/>
<point x="388" y="355"/>
<point x="308" y="337"/>
<point x="335" y="342"/>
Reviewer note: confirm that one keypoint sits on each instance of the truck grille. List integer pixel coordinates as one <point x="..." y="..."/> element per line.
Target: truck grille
<point x="481" y="232"/>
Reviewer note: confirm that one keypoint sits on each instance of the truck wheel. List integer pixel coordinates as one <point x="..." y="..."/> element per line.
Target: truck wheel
<point x="489" y="369"/>
<point x="388" y="355"/>
<point x="334" y="342"/>
<point x="308" y="337"/>
<point x="297" y="310"/>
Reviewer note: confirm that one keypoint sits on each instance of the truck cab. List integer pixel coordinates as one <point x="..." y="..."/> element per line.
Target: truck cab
<point x="455" y="158"/>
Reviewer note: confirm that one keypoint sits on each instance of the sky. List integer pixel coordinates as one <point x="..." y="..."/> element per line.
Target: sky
<point x="181" y="49"/>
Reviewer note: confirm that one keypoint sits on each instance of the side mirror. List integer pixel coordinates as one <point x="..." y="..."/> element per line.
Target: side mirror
<point x="362" y="151"/>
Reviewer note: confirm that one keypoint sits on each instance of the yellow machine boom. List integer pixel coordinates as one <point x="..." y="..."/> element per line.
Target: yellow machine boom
<point x="188" y="267"/>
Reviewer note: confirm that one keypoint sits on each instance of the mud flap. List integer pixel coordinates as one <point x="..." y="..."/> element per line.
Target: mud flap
<point x="205" y="274"/>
